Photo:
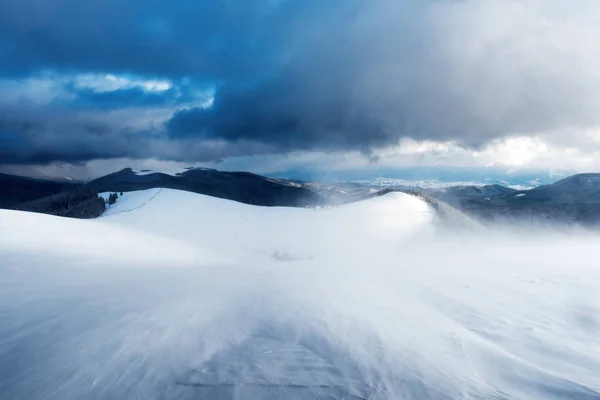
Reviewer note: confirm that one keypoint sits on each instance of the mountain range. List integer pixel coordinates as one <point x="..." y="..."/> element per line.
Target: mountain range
<point x="79" y="199"/>
<point x="575" y="199"/>
<point x="239" y="186"/>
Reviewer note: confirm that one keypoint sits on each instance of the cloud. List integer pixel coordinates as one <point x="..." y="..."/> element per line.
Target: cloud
<point x="331" y="76"/>
<point x="61" y="117"/>
<point x="109" y="83"/>
<point x="469" y="71"/>
<point x="124" y="98"/>
<point x="215" y="39"/>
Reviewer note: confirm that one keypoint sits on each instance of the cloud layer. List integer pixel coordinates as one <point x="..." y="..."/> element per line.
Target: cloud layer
<point x="199" y="81"/>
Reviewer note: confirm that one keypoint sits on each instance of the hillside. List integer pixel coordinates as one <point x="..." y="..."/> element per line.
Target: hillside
<point x="264" y="231"/>
<point x="454" y="194"/>
<point x="578" y="189"/>
<point x="18" y="189"/>
<point x="573" y="200"/>
<point x="78" y="203"/>
<point x="239" y="186"/>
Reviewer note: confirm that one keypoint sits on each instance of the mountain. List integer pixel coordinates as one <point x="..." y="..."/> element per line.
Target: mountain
<point x="15" y="190"/>
<point x="239" y="186"/>
<point x="454" y="194"/>
<point x="581" y="188"/>
<point x="575" y="199"/>
<point x="438" y="175"/>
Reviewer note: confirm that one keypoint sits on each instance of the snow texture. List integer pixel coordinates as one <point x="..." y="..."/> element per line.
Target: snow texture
<point x="174" y="295"/>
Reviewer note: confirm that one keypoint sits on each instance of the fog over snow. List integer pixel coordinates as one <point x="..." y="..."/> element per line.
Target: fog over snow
<point x="177" y="295"/>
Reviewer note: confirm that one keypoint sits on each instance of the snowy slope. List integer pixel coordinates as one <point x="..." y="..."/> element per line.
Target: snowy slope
<point x="362" y="301"/>
<point x="39" y="236"/>
<point x="238" y="229"/>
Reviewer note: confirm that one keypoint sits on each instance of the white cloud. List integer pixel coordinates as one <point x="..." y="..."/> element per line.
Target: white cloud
<point x="48" y="87"/>
<point x="110" y="82"/>
<point x="31" y="92"/>
<point x="514" y="152"/>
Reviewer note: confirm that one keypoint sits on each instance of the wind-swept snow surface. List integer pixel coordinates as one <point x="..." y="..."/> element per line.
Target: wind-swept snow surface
<point x="240" y="231"/>
<point x="174" y="295"/>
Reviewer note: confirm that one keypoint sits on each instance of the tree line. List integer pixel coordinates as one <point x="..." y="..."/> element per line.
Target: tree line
<point x="83" y="204"/>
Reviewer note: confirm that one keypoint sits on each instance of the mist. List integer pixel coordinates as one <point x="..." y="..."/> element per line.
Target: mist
<point x="319" y="307"/>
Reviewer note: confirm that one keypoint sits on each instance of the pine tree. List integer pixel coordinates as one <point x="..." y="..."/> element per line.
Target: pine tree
<point x="112" y="198"/>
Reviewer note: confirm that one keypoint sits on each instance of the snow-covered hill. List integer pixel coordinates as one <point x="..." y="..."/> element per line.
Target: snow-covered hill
<point x="240" y="230"/>
<point x="175" y="295"/>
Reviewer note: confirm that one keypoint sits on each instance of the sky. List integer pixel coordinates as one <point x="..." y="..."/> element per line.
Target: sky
<point x="271" y="85"/>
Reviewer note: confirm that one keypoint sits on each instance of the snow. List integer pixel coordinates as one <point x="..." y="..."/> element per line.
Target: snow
<point x="44" y="237"/>
<point x="239" y="230"/>
<point x="521" y="187"/>
<point x="535" y="182"/>
<point x="520" y="195"/>
<point x="171" y="171"/>
<point x="436" y="184"/>
<point x="128" y="201"/>
<point x="424" y="184"/>
<point x="174" y="295"/>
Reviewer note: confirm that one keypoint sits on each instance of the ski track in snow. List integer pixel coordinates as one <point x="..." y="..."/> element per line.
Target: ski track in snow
<point x="111" y="207"/>
<point x="173" y="295"/>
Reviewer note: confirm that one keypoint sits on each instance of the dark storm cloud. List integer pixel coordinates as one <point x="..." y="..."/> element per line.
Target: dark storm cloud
<point x="216" y="39"/>
<point x="40" y="140"/>
<point x="425" y="70"/>
<point x="74" y="138"/>
<point x="285" y="114"/>
<point x="123" y="98"/>
<point x="302" y="74"/>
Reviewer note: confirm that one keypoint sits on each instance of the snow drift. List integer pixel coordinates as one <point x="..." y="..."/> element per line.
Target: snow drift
<point x="173" y="295"/>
